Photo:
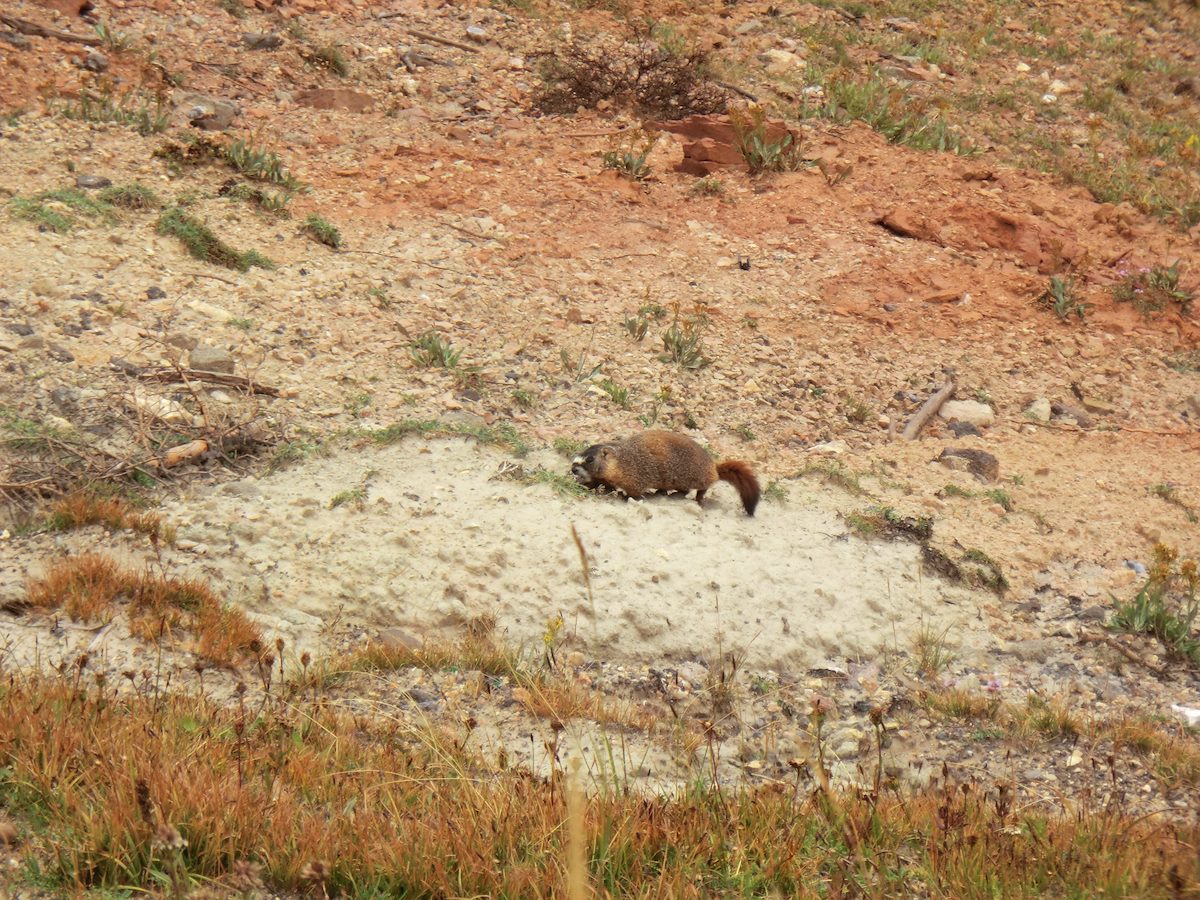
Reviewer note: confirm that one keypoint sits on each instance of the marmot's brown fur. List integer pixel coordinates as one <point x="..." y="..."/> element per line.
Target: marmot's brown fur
<point x="661" y="461"/>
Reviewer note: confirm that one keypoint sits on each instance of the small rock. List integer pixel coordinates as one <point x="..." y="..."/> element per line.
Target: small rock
<point x="92" y="182"/>
<point x="211" y="359"/>
<point x="1039" y="410"/>
<point x="1069" y="411"/>
<point x="17" y="40"/>
<point x="979" y="463"/>
<point x="8" y="832"/>
<point x="66" y="399"/>
<point x="32" y="342"/>
<point x="968" y="411"/>
<point x="209" y="113"/>
<point x="20" y="329"/>
<point x="260" y="40"/>
<point x="1036" y="650"/>
<point x="397" y="639"/>
<point x="1097" y="406"/>
<point x="335" y="98"/>
<point x="963" y="429"/>
<point x="779" y="61"/>
<point x="154" y="292"/>
<point x="1093" y="614"/>
<point x="44" y="286"/>
<point x="95" y="61"/>
<point x="477" y="34"/>
<point x="60" y="353"/>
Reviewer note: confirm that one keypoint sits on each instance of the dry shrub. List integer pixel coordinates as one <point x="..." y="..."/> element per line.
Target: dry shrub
<point x="89" y="586"/>
<point x="82" y="508"/>
<point x="86" y="586"/>
<point x="560" y="699"/>
<point x="639" y="73"/>
<point x="159" y="793"/>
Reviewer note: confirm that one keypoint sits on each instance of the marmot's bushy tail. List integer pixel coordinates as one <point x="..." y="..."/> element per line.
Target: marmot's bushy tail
<point x="739" y="475"/>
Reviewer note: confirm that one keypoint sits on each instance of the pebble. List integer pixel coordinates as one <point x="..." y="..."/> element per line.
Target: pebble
<point x="95" y="61"/>
<point x="971" y="411"/>
<point x="92" y="182"/>
<point x="211" y="359"/>
<point x="259" y="40"/>
<point x="1039" y="410"/>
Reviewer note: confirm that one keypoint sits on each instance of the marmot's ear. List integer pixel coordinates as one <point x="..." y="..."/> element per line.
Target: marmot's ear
<point x="605" y="453"/>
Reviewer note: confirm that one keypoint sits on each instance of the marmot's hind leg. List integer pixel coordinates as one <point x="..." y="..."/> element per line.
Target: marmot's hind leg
<point x="700" y="496"/>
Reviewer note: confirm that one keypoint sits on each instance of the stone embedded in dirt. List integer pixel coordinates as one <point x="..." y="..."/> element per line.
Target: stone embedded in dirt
<point x="211" y="359"/>
<point x="979" y="463"/>
<point x="1062" y="410"/>
<point x="20" y="329"/>
<point x="968" y="411"/>
<point x="262" y="40"/>
<point x="66" y="399"/>
<point x="710" y="143"/>
<point x="397" y="639"/>
<point x="92" y="182"/>
<point x="905" y="222"/>
<point x="335" y="98"/>
<point x="209" y="113"/>
<point x="1098" y="406"/>
<point x="780" y="61"/>
<point x="154" y="292"/>
<point x="963" y="429"/>
<point x="68" y="7"/>
<point x="477" y="34"/>
<point x="17" y="40"/>
<point x="1039" y="410"/>
<point x="32" y="341"/>
<point x="95" y="61"/>
<point x="59" y="353"/>
<point x="1032" y="649"/>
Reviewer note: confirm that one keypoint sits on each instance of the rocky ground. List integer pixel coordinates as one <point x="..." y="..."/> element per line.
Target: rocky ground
<point x="829" y="303"/>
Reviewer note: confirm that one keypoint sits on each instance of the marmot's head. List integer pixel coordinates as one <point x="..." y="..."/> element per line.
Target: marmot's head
<point x="589" y="466"/>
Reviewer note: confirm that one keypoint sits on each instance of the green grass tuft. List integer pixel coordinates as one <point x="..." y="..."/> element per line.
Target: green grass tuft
<point x="322" y="231"/>
<point x="204" y="245"/>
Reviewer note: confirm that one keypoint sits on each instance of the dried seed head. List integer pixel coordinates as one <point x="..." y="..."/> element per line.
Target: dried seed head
<point x="315" y="871"/>
<point x="279" y="644"/>
<point x="305" y="659"/>
<point x="168" y="837"/>
<point x="240" y="688"/>
<point x="145" y="806"/>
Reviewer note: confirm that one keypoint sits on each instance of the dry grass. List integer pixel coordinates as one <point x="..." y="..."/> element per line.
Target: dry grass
<point x="556" y="697"/>
<point x="90" y="586"/>
<point x="1170" y="750"/>
<point x="1173" y="757"/>
<point x="82" y="508"/>
<point x="133" y="791"/>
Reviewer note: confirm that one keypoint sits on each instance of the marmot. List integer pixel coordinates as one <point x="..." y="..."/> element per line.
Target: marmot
<point x="661" y="461"/>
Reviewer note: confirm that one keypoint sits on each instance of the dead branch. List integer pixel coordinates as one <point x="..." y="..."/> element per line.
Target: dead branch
<point x="166" y="375"/>
<point x="34" y="29"/>
<point x="1106" y="640"/>
<point x="737" y="90"/>
<point x="433" y="38"/>
<point x="928" y="409"/>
